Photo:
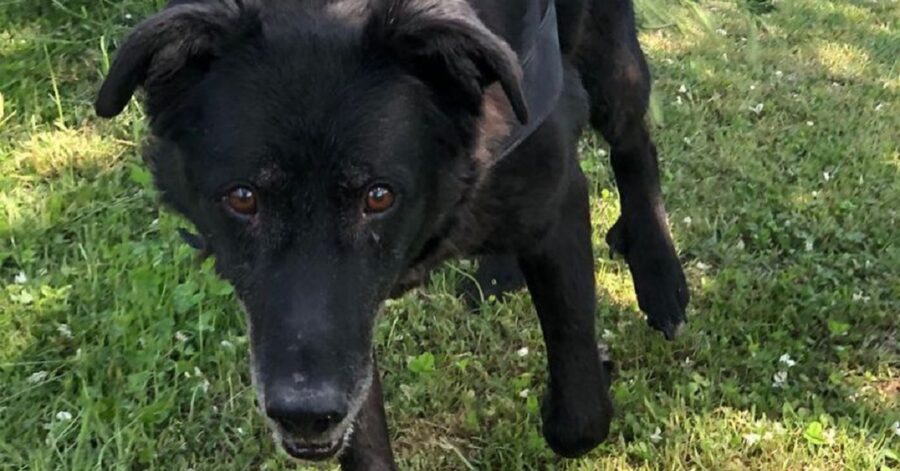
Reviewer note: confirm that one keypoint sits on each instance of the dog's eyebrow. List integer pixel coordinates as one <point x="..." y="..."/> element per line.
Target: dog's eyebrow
<point x="350" y="11"/>
<point x="271" y="175"/>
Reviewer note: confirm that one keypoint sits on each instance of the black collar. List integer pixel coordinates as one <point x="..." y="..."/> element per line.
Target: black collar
<point x="542" y="77"/>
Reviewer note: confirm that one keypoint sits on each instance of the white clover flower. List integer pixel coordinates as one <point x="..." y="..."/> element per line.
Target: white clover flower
<point x="827" y="176"/>
<point x="787" y="360"/>
<point x="810" y="123"/>
<point x="896" y="428"/>
<point x="740" y="244"/>
<point x="524" y="393"/>
<point x="752" y="87"/>
<point x="656" y="436"/>
<point x="37" y="377"/>
<point x="751" y="439"/>
<point x="809" y="245"/>
<point x="128" y="16"/>
<point x="779" y="74"/>
<point x="64" y="330"/>
<point x="687" y="220"/>
<point x="779" y="379"/>
<point x="687" y="140"/>
<point x="181" y="336"/>
<point x="682" y="89"/>
<point x="721" y="32"/>
<point x="21" y="278"/>
<point x="63" y="416"/>
<point x="522" y="352"/>
<point x="702" y="266"/>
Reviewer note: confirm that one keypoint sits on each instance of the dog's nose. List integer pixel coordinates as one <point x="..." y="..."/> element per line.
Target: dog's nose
<point x="306" y="412"/>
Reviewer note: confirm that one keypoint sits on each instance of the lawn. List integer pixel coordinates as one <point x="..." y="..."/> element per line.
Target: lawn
<point x="778" y="124"/>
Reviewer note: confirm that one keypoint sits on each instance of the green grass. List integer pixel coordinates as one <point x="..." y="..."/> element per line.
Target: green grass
<point x="778" y="124"/>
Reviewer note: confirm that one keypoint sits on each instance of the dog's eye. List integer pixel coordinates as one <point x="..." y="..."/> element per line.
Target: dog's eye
<point x="379" y="199"/>
<point x="241" y="200"/>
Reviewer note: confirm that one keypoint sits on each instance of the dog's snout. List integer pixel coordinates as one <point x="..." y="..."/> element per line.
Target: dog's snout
<point x="306" y="412"/>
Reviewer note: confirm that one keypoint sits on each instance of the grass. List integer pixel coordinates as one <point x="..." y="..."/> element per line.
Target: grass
<point x="778" y="125"/>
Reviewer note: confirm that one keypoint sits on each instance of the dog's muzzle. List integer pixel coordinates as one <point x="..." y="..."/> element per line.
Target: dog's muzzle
<point x="313" y="425"/>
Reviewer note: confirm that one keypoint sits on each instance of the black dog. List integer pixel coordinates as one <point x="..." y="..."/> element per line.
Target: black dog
<point x="331" y="152"/>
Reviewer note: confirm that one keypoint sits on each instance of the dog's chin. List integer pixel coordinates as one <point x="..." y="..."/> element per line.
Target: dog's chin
<point x="314" y="451"/>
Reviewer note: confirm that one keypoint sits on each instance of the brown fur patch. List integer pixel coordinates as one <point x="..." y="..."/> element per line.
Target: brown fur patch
<point x="494" y="125"/>
<point x="632" y="73"/>
<point x="628" y="67"/>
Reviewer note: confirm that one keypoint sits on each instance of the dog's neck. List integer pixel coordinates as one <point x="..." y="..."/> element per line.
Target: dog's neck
<point x="499" y="132"/>
<point x="499" y="135"/>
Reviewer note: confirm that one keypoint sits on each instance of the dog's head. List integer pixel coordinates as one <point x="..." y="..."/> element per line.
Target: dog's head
<point x="317" y="147"/>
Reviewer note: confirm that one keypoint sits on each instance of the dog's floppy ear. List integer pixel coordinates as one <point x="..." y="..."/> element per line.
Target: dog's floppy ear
<point x="447" y="44"/>
<point x="162" y="46"/>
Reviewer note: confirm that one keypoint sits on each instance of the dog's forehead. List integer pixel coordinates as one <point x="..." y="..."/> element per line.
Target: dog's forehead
<point x="305" y="99"/>
<point x="305" y="122"/>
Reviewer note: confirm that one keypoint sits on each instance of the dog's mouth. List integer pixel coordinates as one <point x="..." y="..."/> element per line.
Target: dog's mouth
<point x="314" y="451"/>
<point x="323" y="447"/>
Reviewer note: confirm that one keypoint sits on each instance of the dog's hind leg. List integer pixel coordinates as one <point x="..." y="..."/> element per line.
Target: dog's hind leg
<point x="616" y="77"/>
<point x="497" y="274"/>
<point x="560" y="274"/>
<point x="370" y="447"/>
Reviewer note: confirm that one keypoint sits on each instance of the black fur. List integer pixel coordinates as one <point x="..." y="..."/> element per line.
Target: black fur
<point x="309" y="103"/>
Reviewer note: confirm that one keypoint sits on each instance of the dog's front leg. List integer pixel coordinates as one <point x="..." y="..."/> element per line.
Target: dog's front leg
<point x="616" y="76"/>
<point x="560" y="276"/>
<point x="642" y="235"/>
<point x="370" y="444"/>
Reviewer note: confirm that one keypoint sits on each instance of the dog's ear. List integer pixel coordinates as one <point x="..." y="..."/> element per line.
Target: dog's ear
<point x="447" y="44"/>
<point x="162" y="48"/>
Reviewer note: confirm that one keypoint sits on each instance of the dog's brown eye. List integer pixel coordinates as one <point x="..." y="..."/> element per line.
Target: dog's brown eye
<point x="379" y="199"/>
<point x="241" y="200"/>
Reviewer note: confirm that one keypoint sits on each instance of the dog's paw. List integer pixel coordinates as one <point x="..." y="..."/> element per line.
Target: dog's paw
<point x="571" y="433"/>
<point x="576" y="426"/>
<point x="615" y="239"/>
<point x="496" y="275"/>
<point x="661" y="290"/>
<point x="659" y="280"/>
